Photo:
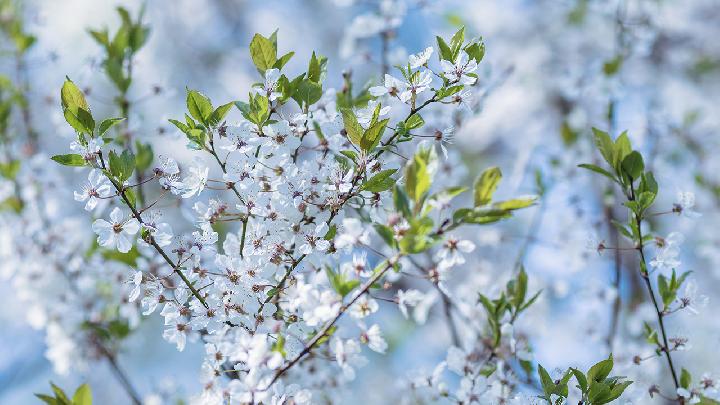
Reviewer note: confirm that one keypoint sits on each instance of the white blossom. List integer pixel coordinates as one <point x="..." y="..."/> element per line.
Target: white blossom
<point x="117" y="233"/>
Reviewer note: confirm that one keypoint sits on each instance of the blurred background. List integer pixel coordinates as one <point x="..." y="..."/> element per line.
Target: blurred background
<point x="553" y="69"/>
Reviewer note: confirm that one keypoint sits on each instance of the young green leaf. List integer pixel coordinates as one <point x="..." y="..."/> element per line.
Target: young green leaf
<point x="685" y="379"/>
<point x="379" y="182"/>
<point x="218" y="115"/>
<point x="108" y="123"/>
<point x="485" y="185"/>
<point x="352" y="127"/>
<point x="69" y="159"/>
<point x="82" y="396"/>
<point x="633" y="165"/>
<point x="417" y="177"/>
<point x="606" y="146"/>
<point x="600" y="370"/>
<point x="263" y="52"/>
<point x="598" y="169"/>
<point x="199" y="106"/>
<point x="372" y="135"/>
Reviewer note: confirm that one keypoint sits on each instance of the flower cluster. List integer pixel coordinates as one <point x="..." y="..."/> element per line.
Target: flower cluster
<point x="307" y="178"/>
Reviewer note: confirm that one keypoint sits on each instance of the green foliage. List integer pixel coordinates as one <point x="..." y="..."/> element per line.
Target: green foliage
<point x="668" y="288"/>
<point x="340" y="283"/>
<point x="511" y="302"/>
<point x="75" y="109"/>
<point x="365" y="139"/>
<point x="627" y="170"/>
<point x="418" y="174"/>
<point x="450" y="51"/>
<point x="71" y="159"/>
<point x="595" y="386"/>
<point x="485" y="185"/>
<point x="144" y="156"/>
<point x="612" y="66"/>
<point x="380" y="182"/>
<point x="263" y="52"/>
<point x="10" y="169"/>
<point x="553" y="388"/>
<point x="12" y="26"/>
<point x="484" y="211"/>
<point x="199" y="106"/>
<point x="203" y="116"/>
<point x="108" y="123"/>
<point x="121" y="166"/>
<point x="121" y="47"/>
<point x="82" y="396"/>
<point x="353" y="129"/>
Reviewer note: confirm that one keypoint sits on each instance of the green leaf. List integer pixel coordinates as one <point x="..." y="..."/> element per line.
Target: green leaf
<point x="547" y="383"/>
<point x="219" y="114"/>
<point x="685" y="379"/>
<point x="10" y="169"/>
<point x="707" y="401"/>
<point x="448" y="193"/>
<point x="633" y="165"/>
<point x="615" y="392"/>
<point x="308" y="93"/>
<point x="598" y="169"/>
<point x="330" y="234"/>
<point x="339" y="283"/>
<point x="622" y="148"/>
<point x="352" y="127"/>
<point x="400" y="202"/>
<point x="613" y="65"/>
<point x="445" y="53"/>
<point x="197" y="137"/>
<point x="48" y="399"/>
<point x="81" y="120"/>
<point x="181" y="126"/>
<point x="605" y="145"/>
<point x="515" y="203"/>
<point x="380" y="182"/>
<point x="60" y="394"/>
<point x="82" y="396"/>
<point x="199" y="106"/>
<point x="11" y="203"/>
<point x="645" y="200"/>
<point x="314" y="69"/>
<point x="580" y="377"/>
<point x="417" y="177"/>
<point x="114" y="70"/>
<point x="448" y="91"/>
<point x="129" y="258"/>
<point x="386" y="233"/>
<point x="414" y="121"/>
<point x="479" y="215"/>
<point x="416" y="239"/>
<point x="531" y="301"/>
<point x="457" y="41"/>
<point x="372" y="135"/>
<point x="485" y="185"/>
<point x="476" y="51"/>
<point x="262" y="52"/>
<point x="107" y="124"/>
<point x="597" y="391"/>
<point x="69" y="159"/>
<point x="123" y="165"/>
<point x="144" y="156"/>
<point x="520" y="289"/>
<point x="72" y="97"/>
<point x="283" y="60"/>
<point x="600" y="370"/>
